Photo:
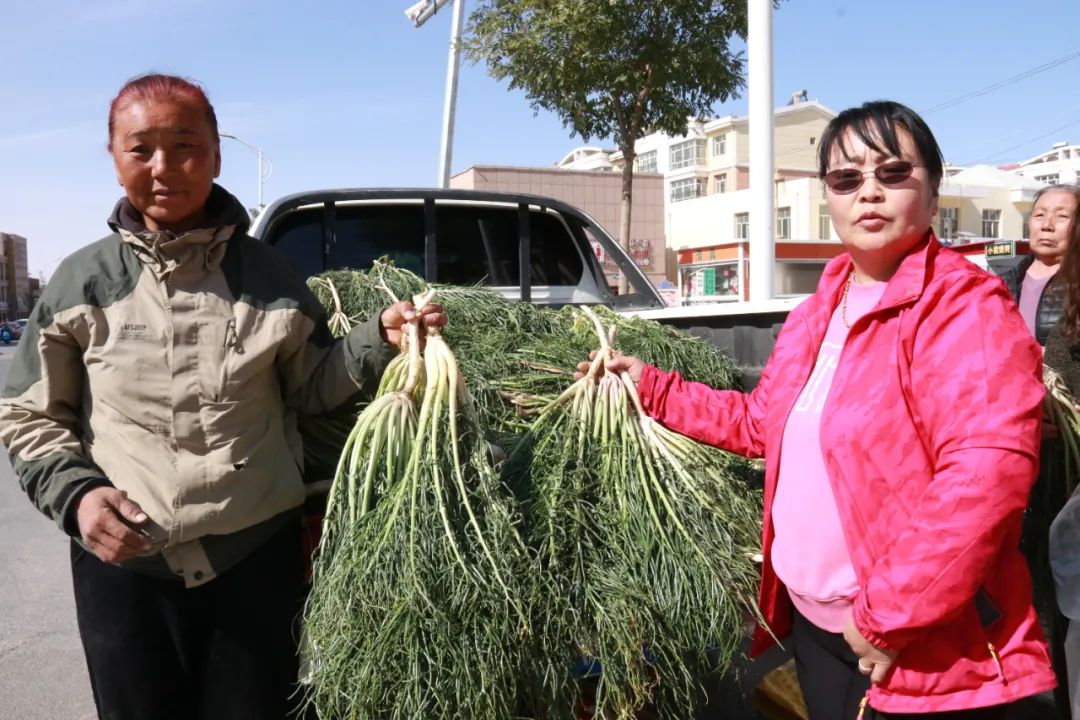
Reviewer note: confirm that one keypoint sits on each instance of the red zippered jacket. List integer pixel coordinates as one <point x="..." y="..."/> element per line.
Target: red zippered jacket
<point x="930" y="436"/>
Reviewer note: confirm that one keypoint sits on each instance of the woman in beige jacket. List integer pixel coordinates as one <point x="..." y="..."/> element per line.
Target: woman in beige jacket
<point x="151" y="412"/>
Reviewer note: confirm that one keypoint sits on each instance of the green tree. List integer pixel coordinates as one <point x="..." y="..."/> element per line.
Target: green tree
<point x="614" y="68"/>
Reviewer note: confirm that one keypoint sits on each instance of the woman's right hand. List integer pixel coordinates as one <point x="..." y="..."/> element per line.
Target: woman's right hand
<point x="618" y="363"/>
<point x="394" y="318"/>
<point x="106" y="518"/>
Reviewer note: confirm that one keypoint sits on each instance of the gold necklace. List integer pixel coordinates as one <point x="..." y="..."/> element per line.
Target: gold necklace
<point x="843" y="300"/>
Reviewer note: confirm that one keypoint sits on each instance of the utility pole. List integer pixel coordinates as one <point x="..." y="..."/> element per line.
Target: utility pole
<point x="420" y="13"/>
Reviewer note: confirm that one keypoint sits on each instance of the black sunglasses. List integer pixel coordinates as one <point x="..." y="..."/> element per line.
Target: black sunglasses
<point x="849" y="180"/>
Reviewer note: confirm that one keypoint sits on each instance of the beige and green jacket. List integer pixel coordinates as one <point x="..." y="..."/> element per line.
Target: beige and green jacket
<point x="174" y="368"/>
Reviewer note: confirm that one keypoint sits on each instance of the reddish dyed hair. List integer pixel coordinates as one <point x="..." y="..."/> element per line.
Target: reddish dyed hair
<point x="155" y="86"/>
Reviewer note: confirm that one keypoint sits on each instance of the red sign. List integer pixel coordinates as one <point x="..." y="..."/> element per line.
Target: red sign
<point x="640" y="252"/>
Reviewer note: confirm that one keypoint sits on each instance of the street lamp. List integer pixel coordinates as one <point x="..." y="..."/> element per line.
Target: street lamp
<point x="419" y="14"/>
<point x="266" y="168"/>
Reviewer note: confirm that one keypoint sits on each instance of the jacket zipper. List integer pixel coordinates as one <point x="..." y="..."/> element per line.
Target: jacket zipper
<point x="997" y="662"/>
<point x="231" y="341"/>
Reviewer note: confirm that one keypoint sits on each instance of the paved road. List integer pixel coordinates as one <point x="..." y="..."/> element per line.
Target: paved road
<point x="42" y="671"/>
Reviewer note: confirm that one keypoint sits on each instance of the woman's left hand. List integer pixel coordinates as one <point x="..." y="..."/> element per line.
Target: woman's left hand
<point x="394" y="318"/>
<point x="873" y="661"/>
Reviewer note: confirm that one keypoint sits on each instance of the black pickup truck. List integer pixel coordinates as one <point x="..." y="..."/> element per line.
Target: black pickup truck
<point x="526" y="247"/>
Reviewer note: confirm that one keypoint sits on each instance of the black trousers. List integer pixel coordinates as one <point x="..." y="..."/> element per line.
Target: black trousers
<point x="833" y="687"/>
<point x="226" y="649"/>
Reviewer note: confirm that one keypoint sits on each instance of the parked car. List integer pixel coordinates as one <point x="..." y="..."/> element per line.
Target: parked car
<point x="10" y="332"/>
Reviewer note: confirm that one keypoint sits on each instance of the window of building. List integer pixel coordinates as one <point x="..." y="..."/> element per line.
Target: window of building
<point x="742" y="226"/>
<point x="948" y="223"/>
<point x="1048" y="179"/>
<point x="720" y="183"/>
<point x="646" y="162"/>
<point x="1026" y="232"/>
<point x="710" y="283"/>
<point x="824" y="223"/>
<point x="686" y="189"/>
<point x="719" y="145"/>
<point x="687" y="154"/>
<point x="991" y="223"/>
<point x="783" y="223"/>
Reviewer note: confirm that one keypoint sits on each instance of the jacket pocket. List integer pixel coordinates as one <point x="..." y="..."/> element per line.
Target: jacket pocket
<point x="989" y="614"/>
<point x="231" y="346"/>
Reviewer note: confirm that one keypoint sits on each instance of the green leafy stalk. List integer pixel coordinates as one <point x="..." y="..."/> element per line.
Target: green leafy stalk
<point x="420" y="606"/>
<point x="649" y="536"/>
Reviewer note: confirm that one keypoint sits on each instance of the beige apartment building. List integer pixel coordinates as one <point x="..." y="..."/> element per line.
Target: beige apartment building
<point x="15" y="299"/>
<point x="714" y="155"/>
<point x="707" y="218"/>
<point x="984" y="203"/>
<point x="706" y="190"/>
<point x="1060" y="165"/>
<point x="691" y="215"/>
<point x="977" y="206"/>
<point x="597" y="192"/>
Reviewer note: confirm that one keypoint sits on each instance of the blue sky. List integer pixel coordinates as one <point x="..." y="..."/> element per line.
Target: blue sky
<point x="348" y="93"/>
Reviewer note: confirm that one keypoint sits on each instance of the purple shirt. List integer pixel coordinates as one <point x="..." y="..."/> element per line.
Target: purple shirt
<point x="1030" y="293"/>
<point x="809" y="552"/>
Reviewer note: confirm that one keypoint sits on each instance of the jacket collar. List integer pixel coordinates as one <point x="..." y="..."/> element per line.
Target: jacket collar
<point x="165" y="250"/>
<point x="904" y="287"/>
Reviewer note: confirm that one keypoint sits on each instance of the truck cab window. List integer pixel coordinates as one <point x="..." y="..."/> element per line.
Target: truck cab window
<point x="299" y="238"/>
<point x="479" y="245"/>
<point x="366" y="233"/>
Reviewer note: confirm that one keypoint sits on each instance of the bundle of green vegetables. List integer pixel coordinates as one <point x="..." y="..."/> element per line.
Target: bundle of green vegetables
<point x="418" y="607"/>
<point x="647" y="533"/>
<point x="515" y="357"/>
<point x="637" y="541"/>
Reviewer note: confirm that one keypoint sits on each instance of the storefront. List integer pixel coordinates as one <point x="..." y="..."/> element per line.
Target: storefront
<point x="719" y="273"/>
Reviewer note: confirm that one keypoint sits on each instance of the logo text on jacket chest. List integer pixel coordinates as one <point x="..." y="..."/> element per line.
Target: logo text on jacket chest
<point x="132" y="331"/>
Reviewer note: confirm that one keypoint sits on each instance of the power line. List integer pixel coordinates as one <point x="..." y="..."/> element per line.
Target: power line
<point x="1026" y="142"/>
<point x="1003" y="83"/>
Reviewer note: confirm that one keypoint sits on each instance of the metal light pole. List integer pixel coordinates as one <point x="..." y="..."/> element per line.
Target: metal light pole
<point x="266" y="168"/>
<point x="419" y="14"/>
<point x="759" y="44"/>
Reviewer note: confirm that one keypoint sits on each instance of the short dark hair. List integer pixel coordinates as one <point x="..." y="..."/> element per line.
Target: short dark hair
<point x="875" y="123"/>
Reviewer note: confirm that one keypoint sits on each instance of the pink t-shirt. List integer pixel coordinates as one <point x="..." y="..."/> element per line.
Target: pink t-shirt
<point x="1031" y="291"/>
<point x="809" y="553"/>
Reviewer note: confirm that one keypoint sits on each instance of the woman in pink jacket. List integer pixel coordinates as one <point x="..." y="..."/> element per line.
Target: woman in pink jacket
<point x="899" y="417"/>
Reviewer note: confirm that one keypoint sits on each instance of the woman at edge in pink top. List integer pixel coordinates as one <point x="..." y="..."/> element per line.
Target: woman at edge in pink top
<point x="899" y="418"/>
